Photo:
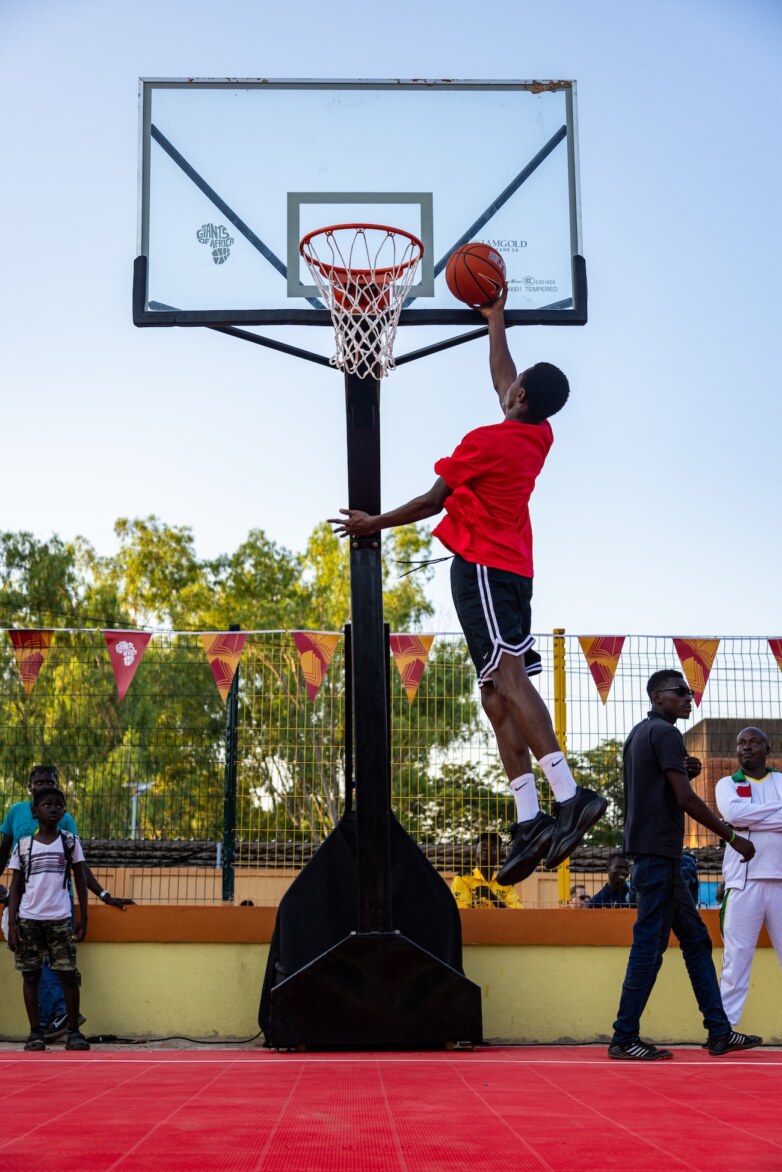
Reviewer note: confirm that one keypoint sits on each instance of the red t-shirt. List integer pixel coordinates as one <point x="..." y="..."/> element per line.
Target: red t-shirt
<point x="492" y="474"/>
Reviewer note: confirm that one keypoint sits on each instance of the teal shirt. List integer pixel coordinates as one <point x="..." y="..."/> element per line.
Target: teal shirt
<point x="19" y="821"/>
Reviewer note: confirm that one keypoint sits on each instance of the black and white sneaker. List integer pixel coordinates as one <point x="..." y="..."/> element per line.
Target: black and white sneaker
<point x="727" y="1043"/>
<point x="58" y="1027"/>
<point x="530" y="841"/>
<point x="638" y="1051"/>
<point x="574" y="819"/>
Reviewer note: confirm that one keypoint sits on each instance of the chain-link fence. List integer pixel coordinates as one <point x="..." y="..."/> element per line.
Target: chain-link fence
<point x="165" y="817"/>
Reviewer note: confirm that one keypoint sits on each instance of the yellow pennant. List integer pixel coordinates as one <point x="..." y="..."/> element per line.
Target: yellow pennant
<point x="224" y="651"/>
<point x="602" y="655"/>
<point x="410" y="654"/>
<point x="315" y="651"/>
<point x="697" y="657"/>
<point x="30" y="649"/>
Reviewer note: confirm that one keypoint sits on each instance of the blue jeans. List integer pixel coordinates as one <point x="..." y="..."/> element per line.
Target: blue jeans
<point x="51" y="1002"/>
<point x="664" y="905"/>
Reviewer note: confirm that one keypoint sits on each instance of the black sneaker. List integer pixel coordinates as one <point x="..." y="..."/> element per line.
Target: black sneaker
<point x="638" y="1051"/>
<point x="58" y="1027"/>
<point x="529" y="843"/>
<point x="574" y="819"/>
<point x="727" y="1043"/>
<point x="76" y="1041"/>
<point x="36" y="1041"/>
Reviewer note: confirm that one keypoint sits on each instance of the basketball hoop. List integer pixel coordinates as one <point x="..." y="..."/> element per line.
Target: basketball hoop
<point x="364" y="273"/>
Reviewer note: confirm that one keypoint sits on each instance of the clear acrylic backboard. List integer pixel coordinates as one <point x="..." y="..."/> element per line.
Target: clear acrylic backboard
<point x="234" y="172"/>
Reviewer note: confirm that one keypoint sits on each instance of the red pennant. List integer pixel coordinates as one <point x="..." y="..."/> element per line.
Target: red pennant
<point x="697" y="657"/>
<point x="126" y="650"/>
<point x="602" y="655"/>
<point x="224" y="651"/>
<point x="30" y="650"/>
<point x="776" y="651"/>
<point x="315" y="651"/>
<point x="410" y="654"/>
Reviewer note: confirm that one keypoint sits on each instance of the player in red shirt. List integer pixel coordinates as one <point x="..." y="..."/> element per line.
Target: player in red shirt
<point x="484" y="488"/>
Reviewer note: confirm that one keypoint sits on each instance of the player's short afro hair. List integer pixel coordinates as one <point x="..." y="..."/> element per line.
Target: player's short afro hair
<point x="547" y="391"/>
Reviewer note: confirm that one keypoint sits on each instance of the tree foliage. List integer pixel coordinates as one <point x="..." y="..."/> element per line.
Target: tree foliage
<point x="169" y="732"/>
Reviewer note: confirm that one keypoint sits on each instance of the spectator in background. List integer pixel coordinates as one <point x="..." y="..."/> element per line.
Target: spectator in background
<point x="657" y="794"/>
<point x="750" y="800"/>
<point x="40" y="914"/>
<point x="578" y="895"/>
<point x="481" y="889"/>
<point x="616" y="892"/>
<point x="18" y="823"/>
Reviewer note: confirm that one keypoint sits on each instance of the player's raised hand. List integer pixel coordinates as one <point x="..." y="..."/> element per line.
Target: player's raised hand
<point x="354" y="523"/>
<point x="494" y="307"/>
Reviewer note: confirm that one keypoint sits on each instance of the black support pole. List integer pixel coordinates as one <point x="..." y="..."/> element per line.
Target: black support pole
<point x="229" y="794"/>
<point x="370" y="701"/>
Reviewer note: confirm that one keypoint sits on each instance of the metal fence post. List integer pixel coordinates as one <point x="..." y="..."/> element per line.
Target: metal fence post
<point x="229" y="796"/>
<point x="560" y="730"/>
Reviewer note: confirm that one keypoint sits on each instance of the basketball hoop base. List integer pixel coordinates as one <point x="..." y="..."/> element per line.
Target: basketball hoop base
<point x="375" y="990"/>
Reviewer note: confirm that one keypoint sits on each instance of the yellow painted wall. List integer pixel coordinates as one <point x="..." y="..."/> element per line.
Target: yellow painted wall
<point x="540" y="994"/>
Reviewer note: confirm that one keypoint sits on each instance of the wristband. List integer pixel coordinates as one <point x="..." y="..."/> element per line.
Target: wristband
<point x="732" y="838"/>
<point x="103" y="894"/>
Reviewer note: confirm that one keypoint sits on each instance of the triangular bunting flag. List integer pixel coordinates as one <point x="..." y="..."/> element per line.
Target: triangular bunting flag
<point x="697" y="657"/>
<point x="126" y="650"/>
<point x="224" y="651"/>
<point x="776" y="651"/>
<point x="410" y="654"/>
<point x="30" y="649"/>
<point x="315" y="651"/>
<point x="602" y="655"/>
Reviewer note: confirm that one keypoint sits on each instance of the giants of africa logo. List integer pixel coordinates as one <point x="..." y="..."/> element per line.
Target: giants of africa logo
<point x="218" y="239"/>
<point x="127" y="650"/>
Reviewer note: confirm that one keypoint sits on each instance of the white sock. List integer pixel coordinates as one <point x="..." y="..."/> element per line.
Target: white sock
<point x="557" y="773"/>
<point x="526" y="797"/>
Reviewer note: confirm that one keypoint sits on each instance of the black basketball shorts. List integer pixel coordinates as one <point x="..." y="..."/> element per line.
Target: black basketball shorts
<point x="495" y="613"/>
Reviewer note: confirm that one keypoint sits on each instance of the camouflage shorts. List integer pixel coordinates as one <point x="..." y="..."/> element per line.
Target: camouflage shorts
<point x="36" y="937"/>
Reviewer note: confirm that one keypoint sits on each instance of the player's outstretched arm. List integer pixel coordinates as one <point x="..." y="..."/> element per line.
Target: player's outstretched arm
<point x="355" y="523"/>
<point x="501" y="364"/>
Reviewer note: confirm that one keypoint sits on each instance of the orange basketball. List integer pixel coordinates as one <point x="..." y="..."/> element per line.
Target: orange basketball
<point x="475" y="274"/>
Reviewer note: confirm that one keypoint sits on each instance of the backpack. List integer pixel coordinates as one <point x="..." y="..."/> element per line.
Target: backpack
<point x="26" y="855"/>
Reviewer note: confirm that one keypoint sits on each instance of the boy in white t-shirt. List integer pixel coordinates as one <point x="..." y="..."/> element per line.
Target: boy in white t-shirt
<point x="39" y="913"/>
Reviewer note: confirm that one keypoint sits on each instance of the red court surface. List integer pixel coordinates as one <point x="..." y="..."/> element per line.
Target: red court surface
<point x="494" y="1108"/>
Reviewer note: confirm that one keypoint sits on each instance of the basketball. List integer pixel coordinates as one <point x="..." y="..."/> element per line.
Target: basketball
<point x="475" y="274"/>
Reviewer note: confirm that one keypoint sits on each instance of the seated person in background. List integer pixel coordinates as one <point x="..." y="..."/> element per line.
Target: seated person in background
<point x="578" y="895"/>
<point x="616" y="892"/>
<point x="481" y="889"/>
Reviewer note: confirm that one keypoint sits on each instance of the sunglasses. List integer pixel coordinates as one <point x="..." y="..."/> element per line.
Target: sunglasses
<point x="679" y="690"/>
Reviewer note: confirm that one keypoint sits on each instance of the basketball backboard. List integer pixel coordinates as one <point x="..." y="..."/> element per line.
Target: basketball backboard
<point x="234" y="172"/>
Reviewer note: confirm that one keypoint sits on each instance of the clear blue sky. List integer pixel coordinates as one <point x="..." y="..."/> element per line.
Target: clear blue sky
<point x="657" y="510"/>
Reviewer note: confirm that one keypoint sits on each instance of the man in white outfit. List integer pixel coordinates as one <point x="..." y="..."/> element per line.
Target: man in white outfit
<point x="751" y="801"/>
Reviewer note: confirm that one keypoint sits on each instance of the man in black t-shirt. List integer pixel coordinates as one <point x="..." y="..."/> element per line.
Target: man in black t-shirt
<point x="657" y="795"/>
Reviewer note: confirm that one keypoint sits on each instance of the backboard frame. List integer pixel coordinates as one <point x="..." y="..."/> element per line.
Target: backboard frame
<point x="146" y="312"/>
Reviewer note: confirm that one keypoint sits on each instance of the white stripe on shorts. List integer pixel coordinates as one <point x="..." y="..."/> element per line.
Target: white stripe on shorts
<point x="492" y="625"/>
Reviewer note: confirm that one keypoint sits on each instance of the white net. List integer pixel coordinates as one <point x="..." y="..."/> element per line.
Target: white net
<point x="364" y="273"/>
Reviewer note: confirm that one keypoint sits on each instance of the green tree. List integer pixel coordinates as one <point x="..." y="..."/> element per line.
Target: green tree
<point x="600" y="768"/>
